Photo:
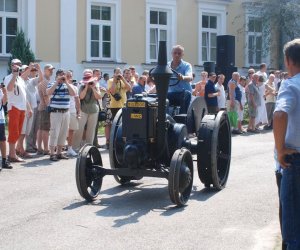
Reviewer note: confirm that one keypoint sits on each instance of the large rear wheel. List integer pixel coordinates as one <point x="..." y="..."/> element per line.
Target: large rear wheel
<point x="114" y="164"/>
<point x="214" y="150"/>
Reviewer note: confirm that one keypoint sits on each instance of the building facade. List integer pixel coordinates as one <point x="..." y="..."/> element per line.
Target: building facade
<point x="79" y="34"/>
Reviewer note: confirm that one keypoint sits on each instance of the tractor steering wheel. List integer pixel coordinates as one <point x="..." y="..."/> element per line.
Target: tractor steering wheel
<point x="174" y="78"/>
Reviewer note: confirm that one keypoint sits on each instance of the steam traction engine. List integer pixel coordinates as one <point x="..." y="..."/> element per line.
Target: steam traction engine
<point x="145" y="141"/>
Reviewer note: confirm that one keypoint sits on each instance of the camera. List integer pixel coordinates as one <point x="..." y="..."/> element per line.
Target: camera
<point x="117" y="96"/>
<point x="63" y="78"/>
<point x="91" y="83"/>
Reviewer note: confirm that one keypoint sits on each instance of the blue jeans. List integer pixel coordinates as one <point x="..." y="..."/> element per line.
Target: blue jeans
<point x="181" y="99"/>
<point x="290" y="201"/>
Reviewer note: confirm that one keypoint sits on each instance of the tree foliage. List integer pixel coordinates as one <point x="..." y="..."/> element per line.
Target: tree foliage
<point x="280" y="21"/>
<point x="21" y="49"/>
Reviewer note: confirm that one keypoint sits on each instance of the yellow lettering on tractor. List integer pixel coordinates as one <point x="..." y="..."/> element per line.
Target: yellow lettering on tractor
<point x="136" y="116"/>
<point x="136" y="104"/>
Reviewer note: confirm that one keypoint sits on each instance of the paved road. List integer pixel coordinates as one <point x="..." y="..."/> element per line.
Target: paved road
<point x="40" y="208"/>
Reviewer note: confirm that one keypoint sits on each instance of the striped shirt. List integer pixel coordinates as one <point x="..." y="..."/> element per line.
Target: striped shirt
<point x="60" y="99"/>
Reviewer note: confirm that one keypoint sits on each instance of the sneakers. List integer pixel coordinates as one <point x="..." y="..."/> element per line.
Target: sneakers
<point x="71" y="152"/>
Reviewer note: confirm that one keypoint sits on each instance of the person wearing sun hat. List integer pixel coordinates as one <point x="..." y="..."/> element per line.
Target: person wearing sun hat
<point x="89" y="94"/>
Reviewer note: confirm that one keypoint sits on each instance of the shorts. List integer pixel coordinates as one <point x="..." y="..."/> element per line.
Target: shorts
<point x="252" y="111"/>
<point x="44" y="120"/>
<point x="114" y="111"/>
<point x="240" y="115"/>
<point x="107" y="110"/>
<point x="73" y="122"/>
<point x="27" y="125"/>
<point x="2" y="132"/>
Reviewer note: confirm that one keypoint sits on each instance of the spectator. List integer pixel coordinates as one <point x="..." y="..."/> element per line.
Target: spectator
<point x="43" y="114"/>
<point x="139" y="87"/>
<point x="89" y="94"/>
<point x="60" y="92"/>
<point x="211" y="94"/>
<point x="287" y="142"/>
<point x="150" y="87"/>
<point x="74" y="114"/>
<point x="3" y="100"/>
<point x="128" y="77"/>
<point x="234" y="102"/>
<point x="261" y="118"/>
<point x="117" y="87"/>
<point x="17" y="105"/>
<point x="146" y="73"/>
<point x="181" y="93"/>
<point x="31" y="84"/>
<point x="284" y="76"/>
<point x="263" y="71"/>
<point x="98" y="74"/>
<point x="134" y="74"/>
<point x="105" y="105"/>
<point x="270" y="95"/>
<point x="200" y="86"/>
<point x="220" y="88"/>
<point x="253" y="103"/>
<point x="242" y="85"/>
<point x="249" y="77"/>
<point x="277" y="78"/>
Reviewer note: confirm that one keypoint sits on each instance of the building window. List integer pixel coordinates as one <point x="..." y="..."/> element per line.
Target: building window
<point x="159" y="31"/>
<point x="8" y="24"/>
<point x="254" y="40"/>
<point x="209" y="37"/>
<point x="101" y="26"/>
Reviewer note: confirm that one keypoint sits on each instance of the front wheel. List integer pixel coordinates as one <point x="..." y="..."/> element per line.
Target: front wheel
<point x="87" y="181"/>
<point x="181" y="176"/>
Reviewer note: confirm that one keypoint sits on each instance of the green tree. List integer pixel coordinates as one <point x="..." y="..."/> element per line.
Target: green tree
<point x="21" y="49"/>
<point x="280" y="23"/>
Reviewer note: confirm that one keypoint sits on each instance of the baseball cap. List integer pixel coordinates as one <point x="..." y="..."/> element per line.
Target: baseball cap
<point x="49" y="66"/>
<point x="24" y="67"/>
<point x="16" y="61"/>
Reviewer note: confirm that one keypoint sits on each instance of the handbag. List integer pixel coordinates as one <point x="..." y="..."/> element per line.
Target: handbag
<point x="101" y="116"/>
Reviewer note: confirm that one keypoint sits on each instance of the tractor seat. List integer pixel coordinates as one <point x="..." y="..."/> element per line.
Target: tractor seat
<point x="181" y="118"/>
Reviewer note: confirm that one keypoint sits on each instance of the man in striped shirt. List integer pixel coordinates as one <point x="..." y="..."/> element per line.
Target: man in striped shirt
<point x="59" y="92"/>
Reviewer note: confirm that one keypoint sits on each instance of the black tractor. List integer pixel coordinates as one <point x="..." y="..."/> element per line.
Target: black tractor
<point x="146" y="141"/>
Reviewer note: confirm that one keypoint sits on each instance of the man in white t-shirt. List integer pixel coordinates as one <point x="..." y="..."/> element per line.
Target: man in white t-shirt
<point x="263" y="71"/>
<point x="220" y="88"/>
<point x="31" y="82"/>
<point x="16" y="106"/>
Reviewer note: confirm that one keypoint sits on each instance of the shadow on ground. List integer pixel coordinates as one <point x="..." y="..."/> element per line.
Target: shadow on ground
<point x="126" y="204"/>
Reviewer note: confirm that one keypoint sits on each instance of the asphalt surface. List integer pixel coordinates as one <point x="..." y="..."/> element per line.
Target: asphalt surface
<point x="40" y="208"/>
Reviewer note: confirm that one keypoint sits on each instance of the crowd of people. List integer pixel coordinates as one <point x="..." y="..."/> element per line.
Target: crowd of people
<point x="255" y="93"/>
<point x="57" y="117"/>
<point x="48" y="117"/>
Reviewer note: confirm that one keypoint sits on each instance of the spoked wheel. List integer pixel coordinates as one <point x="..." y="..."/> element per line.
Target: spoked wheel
<point x="114" y="163"/>
<point x="87" y="181"/>
<point x="181" y="176"/>
<point x="214" y="150"/>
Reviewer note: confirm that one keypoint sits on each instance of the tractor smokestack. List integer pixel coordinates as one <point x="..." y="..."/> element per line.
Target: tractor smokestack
<point x="161" y="74"/>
